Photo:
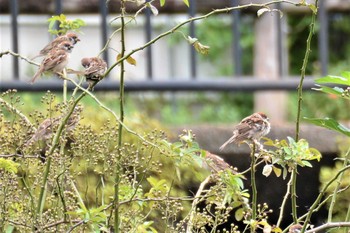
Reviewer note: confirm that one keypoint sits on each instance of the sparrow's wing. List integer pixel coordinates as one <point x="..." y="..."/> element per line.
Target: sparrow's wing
<point x="53" y="44"/>
<point x="54" y="58"/>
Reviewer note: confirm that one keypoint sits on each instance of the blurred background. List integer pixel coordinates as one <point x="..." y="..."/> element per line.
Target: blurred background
<point x="253" y="65"/>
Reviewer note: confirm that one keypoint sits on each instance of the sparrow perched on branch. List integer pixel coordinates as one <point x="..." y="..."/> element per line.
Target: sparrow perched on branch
<point x="251" y="128"/>
<point x="56" y="60"/>
<point x="95" y="69"/>
<point x="45" y="129"/>
<point x="70" y="37"/>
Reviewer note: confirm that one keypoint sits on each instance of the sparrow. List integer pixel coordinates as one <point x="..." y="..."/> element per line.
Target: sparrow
<point x="45" y="129"/>
<point x="295" y="228"/>
<point x="251" y="128"/>
<point x="70" y="37"/>
<point x="216" y="164"/>
<point x="95" y="69"/>
<point x="55" y="60"/>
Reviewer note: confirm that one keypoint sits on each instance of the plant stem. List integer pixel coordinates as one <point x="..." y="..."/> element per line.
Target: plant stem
<point x="335" y="191"/>
<point x="253" y="184"/>
<point x="194" y="204"/>
<point x="54" y="145"/>
<point x="118" y="168"/>
<point x="280" y="217"/>
<point x="300" y="100"/>
<point x="319" y="197"/>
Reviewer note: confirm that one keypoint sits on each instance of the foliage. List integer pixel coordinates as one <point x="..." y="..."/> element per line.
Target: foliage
<point x="64" y="24"/>
<point x="123" y="174"/>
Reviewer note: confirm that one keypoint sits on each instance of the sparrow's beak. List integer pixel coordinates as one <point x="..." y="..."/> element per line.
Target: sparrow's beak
<point x="77" y="39"/>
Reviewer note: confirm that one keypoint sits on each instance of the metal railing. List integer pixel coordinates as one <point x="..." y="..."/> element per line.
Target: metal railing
<point x="239" y="83"/>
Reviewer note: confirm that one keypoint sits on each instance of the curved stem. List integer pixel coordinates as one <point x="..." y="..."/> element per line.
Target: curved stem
<point x="280" y="217"/>
<point x="253" y="184"/>
<point x="319" y="197"/>
<point x="335" y="191"/>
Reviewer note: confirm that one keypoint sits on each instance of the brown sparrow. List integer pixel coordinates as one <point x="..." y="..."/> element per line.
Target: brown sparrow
<point x="252" y="128"/>
<point x="295" y="228"/>
<point x="45" y="129"/>
<point x="70" y="37"/>
<point x="95" y="69"/>
<point x="55" y="60"/>
<point x="215" y="163"/>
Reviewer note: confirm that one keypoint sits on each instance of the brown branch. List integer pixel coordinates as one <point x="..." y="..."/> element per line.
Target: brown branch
<point x="20" y="56"/>
<point x="329" y="225"/>
<point x="59" y="223"/>
<point x="20" y="156"/>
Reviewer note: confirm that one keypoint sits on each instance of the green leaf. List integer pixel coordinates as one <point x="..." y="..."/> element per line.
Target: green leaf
<point x="10" y="229"/>
<point x="306" y="163"/>
<point x="277" y="171"/>
<point x="329" y="123"/>
<point x="332" y="90"/>
<point x="239" y="214"/>
<point x="162" y="2"/>
<point x="8" y="165"/>
<point x="186" y="2"/>
<point x="342" y="80"/>
<point x="313" y="8"/>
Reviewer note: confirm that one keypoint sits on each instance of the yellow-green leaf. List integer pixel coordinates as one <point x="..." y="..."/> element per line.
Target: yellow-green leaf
<point x="277" y="171"/>
<point x="131" y="60"/>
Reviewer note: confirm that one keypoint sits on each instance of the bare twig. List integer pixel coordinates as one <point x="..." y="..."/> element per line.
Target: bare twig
<point x="330" y="210"/>
<point x="194" y="204"/>
<point x="20" y="156"/>
<point x="20" y="56"/>
<point x="172" y="30"/>
<point x="16" y="111"/>
<point x="75" y="226"/>
<point x="329" y="225"/>
<point x="319" y="197"/>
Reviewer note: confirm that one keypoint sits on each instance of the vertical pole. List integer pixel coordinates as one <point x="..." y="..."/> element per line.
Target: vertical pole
<point x="193" y="55"/>
<point x="58" y="11"/>
<point x="266" y="67"/>
<point x="14" y="33"/>
<point x="237" y="50"/>
<point x="104" y="37"/>
<point x="148" y="35"/>
<point x="323" y="37"/>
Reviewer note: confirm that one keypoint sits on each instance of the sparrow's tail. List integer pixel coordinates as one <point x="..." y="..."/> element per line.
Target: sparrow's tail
<point x="230" y="140"/>
<point x="36" y="75"/>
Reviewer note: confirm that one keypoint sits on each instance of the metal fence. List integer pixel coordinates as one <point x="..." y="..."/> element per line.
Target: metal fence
<point x="193" y="84"/>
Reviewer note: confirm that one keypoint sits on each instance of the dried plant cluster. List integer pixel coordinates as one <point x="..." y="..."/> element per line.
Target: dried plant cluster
<point x="60" y="172"/>
<point x="81" y="178"/>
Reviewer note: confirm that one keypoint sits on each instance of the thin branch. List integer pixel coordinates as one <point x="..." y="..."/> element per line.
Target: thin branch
<point x="172" y="30"/>
<point x="194" y="204"/>
<point x="16" y="111"/>
<point x="59" y="223"/>
<point x="284" y="201"/>
<point x="125" y="127"/>
<point x="330" y="210"/>
<point x="20" y="156"/>
<point x="328" y="225"/>
<point x="20" y="56"/>
<point x="319" y="197"/>
<point x="75" y="226"/>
